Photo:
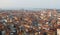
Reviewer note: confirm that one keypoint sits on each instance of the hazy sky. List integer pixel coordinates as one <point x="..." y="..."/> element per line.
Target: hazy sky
<point x="30" y="4"/>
